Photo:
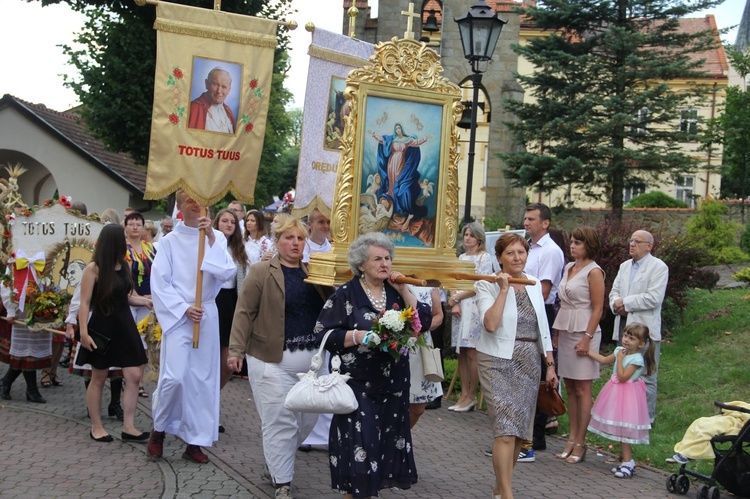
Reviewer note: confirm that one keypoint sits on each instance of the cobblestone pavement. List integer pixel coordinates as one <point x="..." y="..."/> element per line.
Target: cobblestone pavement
<point x="45" y="451"/>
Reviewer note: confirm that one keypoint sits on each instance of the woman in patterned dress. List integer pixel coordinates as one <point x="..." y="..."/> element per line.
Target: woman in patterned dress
<point x="421" y="391"/>
<point x="515" y="334"/>
<point x="370" y="448"/>
<point x="140" y="257"/>
<point x="467" y="325"/>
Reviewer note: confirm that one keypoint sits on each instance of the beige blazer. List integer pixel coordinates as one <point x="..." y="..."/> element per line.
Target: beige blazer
<point x="258" y="324"/>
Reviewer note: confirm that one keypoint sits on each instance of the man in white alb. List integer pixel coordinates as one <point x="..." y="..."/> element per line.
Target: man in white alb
<point x="186" y="400"/>
<point x="320" y="231"/>
<point x="208" y="112"/>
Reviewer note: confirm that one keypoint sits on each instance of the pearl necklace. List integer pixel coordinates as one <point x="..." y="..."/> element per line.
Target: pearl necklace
<point x="379" y="304"/>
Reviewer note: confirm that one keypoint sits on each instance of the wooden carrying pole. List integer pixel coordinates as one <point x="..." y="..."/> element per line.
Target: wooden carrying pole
<point x="45" y="329"/>
<point x="491" y="278"/>
<point x="199" y="279"/>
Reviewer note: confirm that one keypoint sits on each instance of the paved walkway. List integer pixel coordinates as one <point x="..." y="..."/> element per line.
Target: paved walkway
<point x="45" y="451"/>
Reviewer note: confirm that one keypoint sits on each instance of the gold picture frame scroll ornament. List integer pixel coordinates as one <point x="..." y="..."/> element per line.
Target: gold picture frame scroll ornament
<point x="399" y="103"/>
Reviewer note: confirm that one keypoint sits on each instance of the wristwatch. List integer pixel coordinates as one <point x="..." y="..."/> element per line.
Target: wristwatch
<point x="591" y="336"/>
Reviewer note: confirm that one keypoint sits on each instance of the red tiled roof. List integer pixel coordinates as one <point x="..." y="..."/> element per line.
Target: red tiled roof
<point x="69" y="128"/>
<point x="715" y="64"/>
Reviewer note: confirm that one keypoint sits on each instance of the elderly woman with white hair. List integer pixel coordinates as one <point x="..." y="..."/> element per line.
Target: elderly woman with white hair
<point x="370" y="449"/>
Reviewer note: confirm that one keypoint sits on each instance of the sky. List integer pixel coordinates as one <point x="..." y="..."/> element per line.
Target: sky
<point x="30" y="37"/>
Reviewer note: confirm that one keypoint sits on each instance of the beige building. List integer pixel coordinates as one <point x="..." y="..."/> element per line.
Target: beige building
<point x="688" y="187"/>
<point x="492" y="193"/>
<point x="62" y="156"/>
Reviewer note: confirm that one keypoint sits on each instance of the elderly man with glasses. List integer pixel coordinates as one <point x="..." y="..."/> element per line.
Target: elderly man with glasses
<point x="637" y="295"/>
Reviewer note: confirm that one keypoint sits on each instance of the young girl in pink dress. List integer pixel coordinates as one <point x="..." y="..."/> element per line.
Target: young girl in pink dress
<point x="620" y="412"/>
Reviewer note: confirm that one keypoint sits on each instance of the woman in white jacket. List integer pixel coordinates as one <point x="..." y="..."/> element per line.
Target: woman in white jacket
<point x="515" y="334"/>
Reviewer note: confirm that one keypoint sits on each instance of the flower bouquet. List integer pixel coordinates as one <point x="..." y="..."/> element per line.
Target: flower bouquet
<point x="45" y="305"/>
<point x="151" y="331"/>
<point x="396" y="332"/>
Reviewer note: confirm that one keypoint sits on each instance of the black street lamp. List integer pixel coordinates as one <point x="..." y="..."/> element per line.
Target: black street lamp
<point x="479" y="29"/>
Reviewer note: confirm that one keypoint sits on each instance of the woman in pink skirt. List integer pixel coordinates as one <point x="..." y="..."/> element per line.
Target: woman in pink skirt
<point x="620" y="412"/>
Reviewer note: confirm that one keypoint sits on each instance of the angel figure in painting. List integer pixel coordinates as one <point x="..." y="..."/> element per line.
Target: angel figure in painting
<point x="398" y="159"/>
<point x="427" y="190"/>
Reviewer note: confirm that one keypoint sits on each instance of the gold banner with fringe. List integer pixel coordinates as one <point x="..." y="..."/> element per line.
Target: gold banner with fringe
<point x="211" y="91"/>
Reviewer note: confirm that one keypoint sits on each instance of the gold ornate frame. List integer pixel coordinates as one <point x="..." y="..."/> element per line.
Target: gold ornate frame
<point x="401" y="69"/>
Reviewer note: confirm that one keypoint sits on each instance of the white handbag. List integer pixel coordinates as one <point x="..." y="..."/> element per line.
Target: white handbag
<point x="328" y="394"/>
<point x="431" y="365"/>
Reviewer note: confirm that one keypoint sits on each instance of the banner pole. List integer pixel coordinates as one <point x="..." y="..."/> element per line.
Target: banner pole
<point x="199" y="280"/>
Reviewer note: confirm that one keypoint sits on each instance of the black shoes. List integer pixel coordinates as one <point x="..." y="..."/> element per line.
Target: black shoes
<point x="35" y="397"/>
<point x="4" y="390"/>
<point x="115" y="411"/>
<point x="135" y="438"/>
<point x="105" y="438"/>
<point x="433" y="404"/>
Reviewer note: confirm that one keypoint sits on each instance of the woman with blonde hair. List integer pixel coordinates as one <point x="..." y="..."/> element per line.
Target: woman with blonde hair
<point x="274" y="329"/>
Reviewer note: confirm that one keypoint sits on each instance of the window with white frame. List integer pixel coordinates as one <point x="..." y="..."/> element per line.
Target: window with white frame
<point x="641" y="119"/>
<point x="689" y="122"/>
<point x="632" y="191"/>
<point x="685" y="190"/>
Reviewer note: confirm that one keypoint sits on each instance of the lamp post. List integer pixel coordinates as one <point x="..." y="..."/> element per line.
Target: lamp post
<point x="479" y="29"/>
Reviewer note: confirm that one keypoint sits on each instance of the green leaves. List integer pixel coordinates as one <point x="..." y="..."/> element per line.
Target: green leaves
<point x="602" y="113"/>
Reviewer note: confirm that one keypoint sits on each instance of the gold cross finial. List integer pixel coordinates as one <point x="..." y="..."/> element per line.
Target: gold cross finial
<point x="352" y="12"/>
<point x="410" y="16"/>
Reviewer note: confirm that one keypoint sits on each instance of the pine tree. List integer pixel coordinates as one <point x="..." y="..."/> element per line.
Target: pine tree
<point x="602" y="100"/>
<point x="734" y="126"/>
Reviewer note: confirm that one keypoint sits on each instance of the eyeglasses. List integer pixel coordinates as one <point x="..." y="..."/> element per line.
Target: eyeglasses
<point x="638" y="241"/>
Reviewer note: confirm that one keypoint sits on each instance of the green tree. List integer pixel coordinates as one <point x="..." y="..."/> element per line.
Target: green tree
<point x="734" y="126"/>
<point x="116" y="83"/>
<point x="603" y="103"/>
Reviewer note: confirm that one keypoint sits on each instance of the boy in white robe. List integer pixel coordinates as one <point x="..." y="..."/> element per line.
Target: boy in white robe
<point x="186" y="400"/>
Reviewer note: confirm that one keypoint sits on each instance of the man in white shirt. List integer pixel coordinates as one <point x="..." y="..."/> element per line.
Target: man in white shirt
<point x="320" y="231"/>
<point x="186" y="401"/>
<point x="545" y="262"/>
<point x="637" y="295"/>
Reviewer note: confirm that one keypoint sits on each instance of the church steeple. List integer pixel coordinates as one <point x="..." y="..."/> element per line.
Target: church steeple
<point x="743" y="33"/>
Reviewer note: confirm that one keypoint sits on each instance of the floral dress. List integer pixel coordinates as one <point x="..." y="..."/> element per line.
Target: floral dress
<point x="467" y="329"/>
<point x="370" y="448"/>
<point x="422" y="391"/>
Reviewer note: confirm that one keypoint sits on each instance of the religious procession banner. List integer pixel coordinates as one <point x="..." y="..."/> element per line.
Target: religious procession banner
<point x="332" y="56"/>
<point x="211" y="91"/>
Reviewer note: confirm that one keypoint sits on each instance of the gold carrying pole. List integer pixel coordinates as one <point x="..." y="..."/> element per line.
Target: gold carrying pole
<point x="292" y="25"/>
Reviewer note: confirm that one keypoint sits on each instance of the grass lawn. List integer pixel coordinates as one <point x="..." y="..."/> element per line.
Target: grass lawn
<point x="702" y="360"/>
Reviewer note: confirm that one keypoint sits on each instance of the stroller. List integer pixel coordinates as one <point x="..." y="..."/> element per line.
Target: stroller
<point x="731" y="465"/>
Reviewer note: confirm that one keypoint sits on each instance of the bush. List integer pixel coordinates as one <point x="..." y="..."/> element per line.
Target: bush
<point x="493" y="223"/>
<point x="716" y="235"/>
<point x="682" y="254"/>
<point x="743" y="275"/>
<point x="745" y="239"/>
<point x="655" y="199"/>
